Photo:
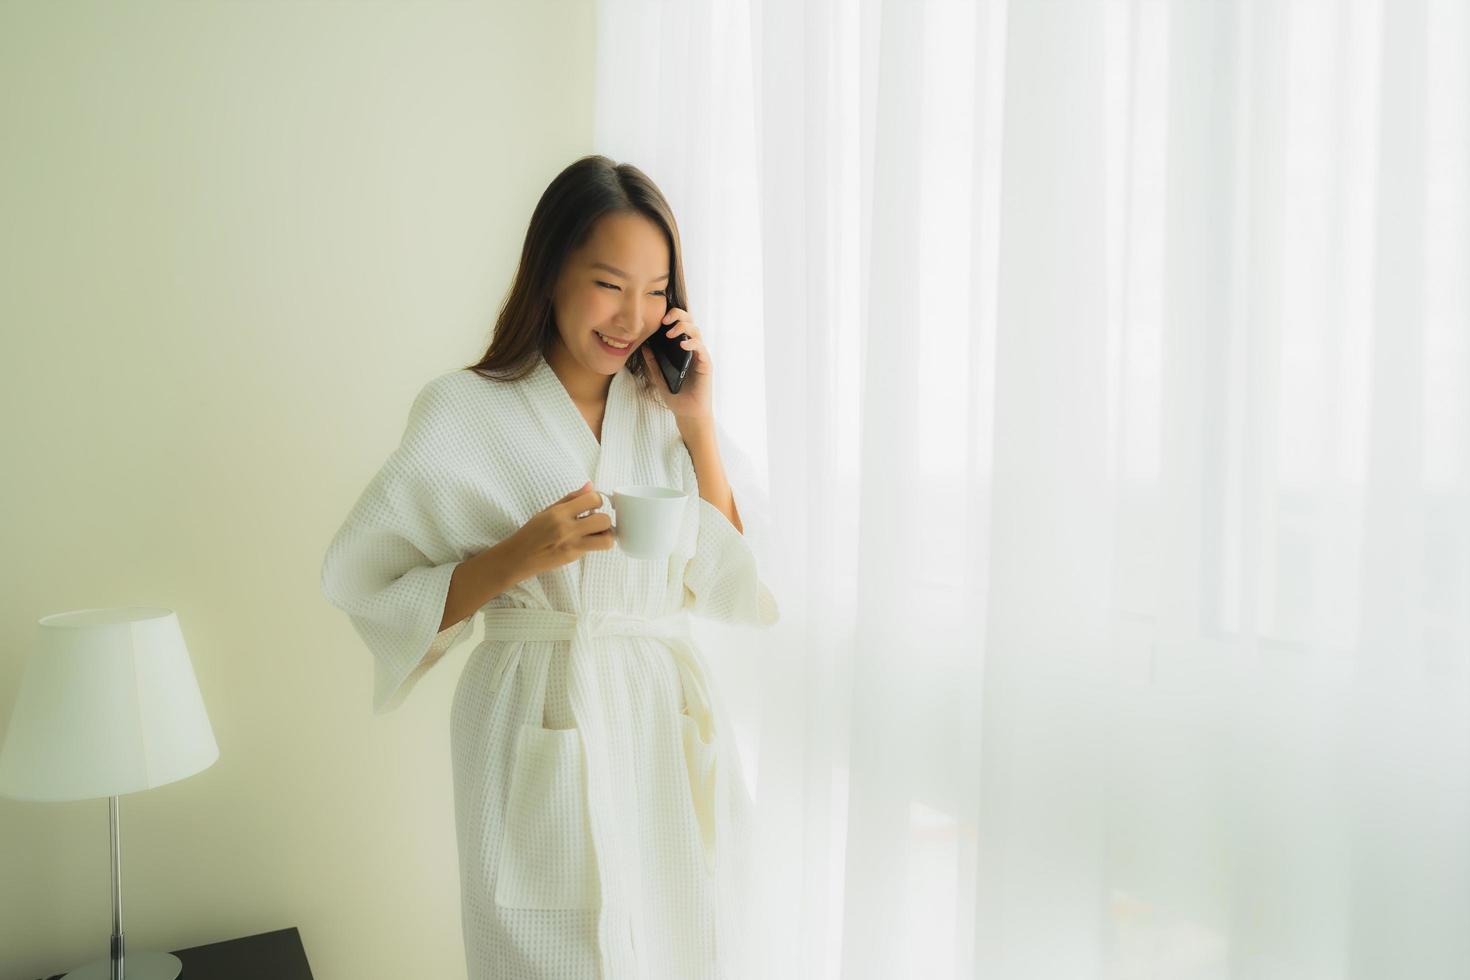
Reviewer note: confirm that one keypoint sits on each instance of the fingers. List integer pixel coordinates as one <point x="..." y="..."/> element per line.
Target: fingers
<point x="594" y="523"/>
<point x="597" y="532"/>
<point x="578" y="500"/>
<point x="591" y="500"/>
<point x="574" y="493"/>
<point x="595" y="528"/>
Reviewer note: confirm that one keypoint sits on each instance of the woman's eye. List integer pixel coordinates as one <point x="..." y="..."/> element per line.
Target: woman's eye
<point x="659" y="292"/>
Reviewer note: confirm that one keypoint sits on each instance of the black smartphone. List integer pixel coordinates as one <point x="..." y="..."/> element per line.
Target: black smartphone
<point x="673" y="359"/>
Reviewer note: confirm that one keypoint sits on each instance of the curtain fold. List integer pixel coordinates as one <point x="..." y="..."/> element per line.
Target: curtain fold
<point x="1106" y="371"/>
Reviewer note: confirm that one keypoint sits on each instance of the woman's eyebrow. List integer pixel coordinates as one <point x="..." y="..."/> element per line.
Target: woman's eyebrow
<point x="619" y="272"/>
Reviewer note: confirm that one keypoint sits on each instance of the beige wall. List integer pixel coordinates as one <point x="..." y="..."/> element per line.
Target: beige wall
<point x="237" y="237"/>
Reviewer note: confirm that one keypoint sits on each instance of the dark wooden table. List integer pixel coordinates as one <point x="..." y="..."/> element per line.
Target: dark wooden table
<point x="278" y="955"/>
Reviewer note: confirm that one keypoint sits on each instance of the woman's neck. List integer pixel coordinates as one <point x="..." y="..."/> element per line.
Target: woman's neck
<point x="587" y="388"/>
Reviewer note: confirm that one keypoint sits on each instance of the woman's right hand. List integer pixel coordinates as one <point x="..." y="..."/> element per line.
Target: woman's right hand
<point x="556" y="536"/>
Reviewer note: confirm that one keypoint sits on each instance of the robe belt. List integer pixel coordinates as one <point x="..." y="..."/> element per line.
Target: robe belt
<point x="616" y="873"/>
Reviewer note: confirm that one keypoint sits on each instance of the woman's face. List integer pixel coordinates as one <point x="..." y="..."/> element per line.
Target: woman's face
<point x="616" y="285"/>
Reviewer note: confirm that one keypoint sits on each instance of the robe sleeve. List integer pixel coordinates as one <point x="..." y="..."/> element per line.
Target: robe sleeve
<point x="389" y="565"/>
<point x="722" y="581"/>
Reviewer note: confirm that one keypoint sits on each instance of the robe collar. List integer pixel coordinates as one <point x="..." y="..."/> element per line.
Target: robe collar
<point x="598" y="459"/>
<point x="605" y="464"/>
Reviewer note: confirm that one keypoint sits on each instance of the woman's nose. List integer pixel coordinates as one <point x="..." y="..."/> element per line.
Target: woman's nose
<point x="632" y="315"/>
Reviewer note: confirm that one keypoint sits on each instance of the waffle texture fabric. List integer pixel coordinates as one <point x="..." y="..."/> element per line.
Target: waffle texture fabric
<point x="603" y="824"/>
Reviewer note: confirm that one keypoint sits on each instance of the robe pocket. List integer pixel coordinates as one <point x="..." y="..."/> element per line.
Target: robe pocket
<point x="699" y="759"/>
<point x="546" y="857"/>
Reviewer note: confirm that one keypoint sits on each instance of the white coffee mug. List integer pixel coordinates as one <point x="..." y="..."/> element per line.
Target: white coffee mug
<point x="647" y="519"/>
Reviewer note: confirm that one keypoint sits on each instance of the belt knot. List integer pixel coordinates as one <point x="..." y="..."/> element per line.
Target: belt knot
<point x="599" y="622"/>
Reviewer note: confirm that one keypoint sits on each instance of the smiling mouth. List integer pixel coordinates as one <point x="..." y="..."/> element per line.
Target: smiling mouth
<point x="609" y="342"/>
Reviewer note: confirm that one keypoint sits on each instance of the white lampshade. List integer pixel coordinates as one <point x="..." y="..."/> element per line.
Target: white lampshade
<point x="108" y="705"/>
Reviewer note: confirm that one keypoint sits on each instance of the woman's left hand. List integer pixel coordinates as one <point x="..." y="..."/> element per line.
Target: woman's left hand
<point x="696" y="395"/>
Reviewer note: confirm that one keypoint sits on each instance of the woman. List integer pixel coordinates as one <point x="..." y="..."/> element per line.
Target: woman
<point x="602" y="819"/>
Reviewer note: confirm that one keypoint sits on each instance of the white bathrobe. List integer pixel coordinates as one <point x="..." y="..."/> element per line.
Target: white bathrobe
<point x="603" y="822"/>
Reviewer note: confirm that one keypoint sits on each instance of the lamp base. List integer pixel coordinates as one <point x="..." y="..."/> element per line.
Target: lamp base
<point x="137" y="966"/>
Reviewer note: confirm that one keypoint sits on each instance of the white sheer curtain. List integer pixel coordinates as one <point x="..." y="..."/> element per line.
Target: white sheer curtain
<point x="1104" y="374"/>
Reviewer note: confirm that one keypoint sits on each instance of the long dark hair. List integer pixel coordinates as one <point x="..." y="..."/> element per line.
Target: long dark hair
<point x="562" y="222"/>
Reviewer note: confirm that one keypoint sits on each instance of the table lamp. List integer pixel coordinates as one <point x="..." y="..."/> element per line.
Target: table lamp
<point x="108" y="705"/>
